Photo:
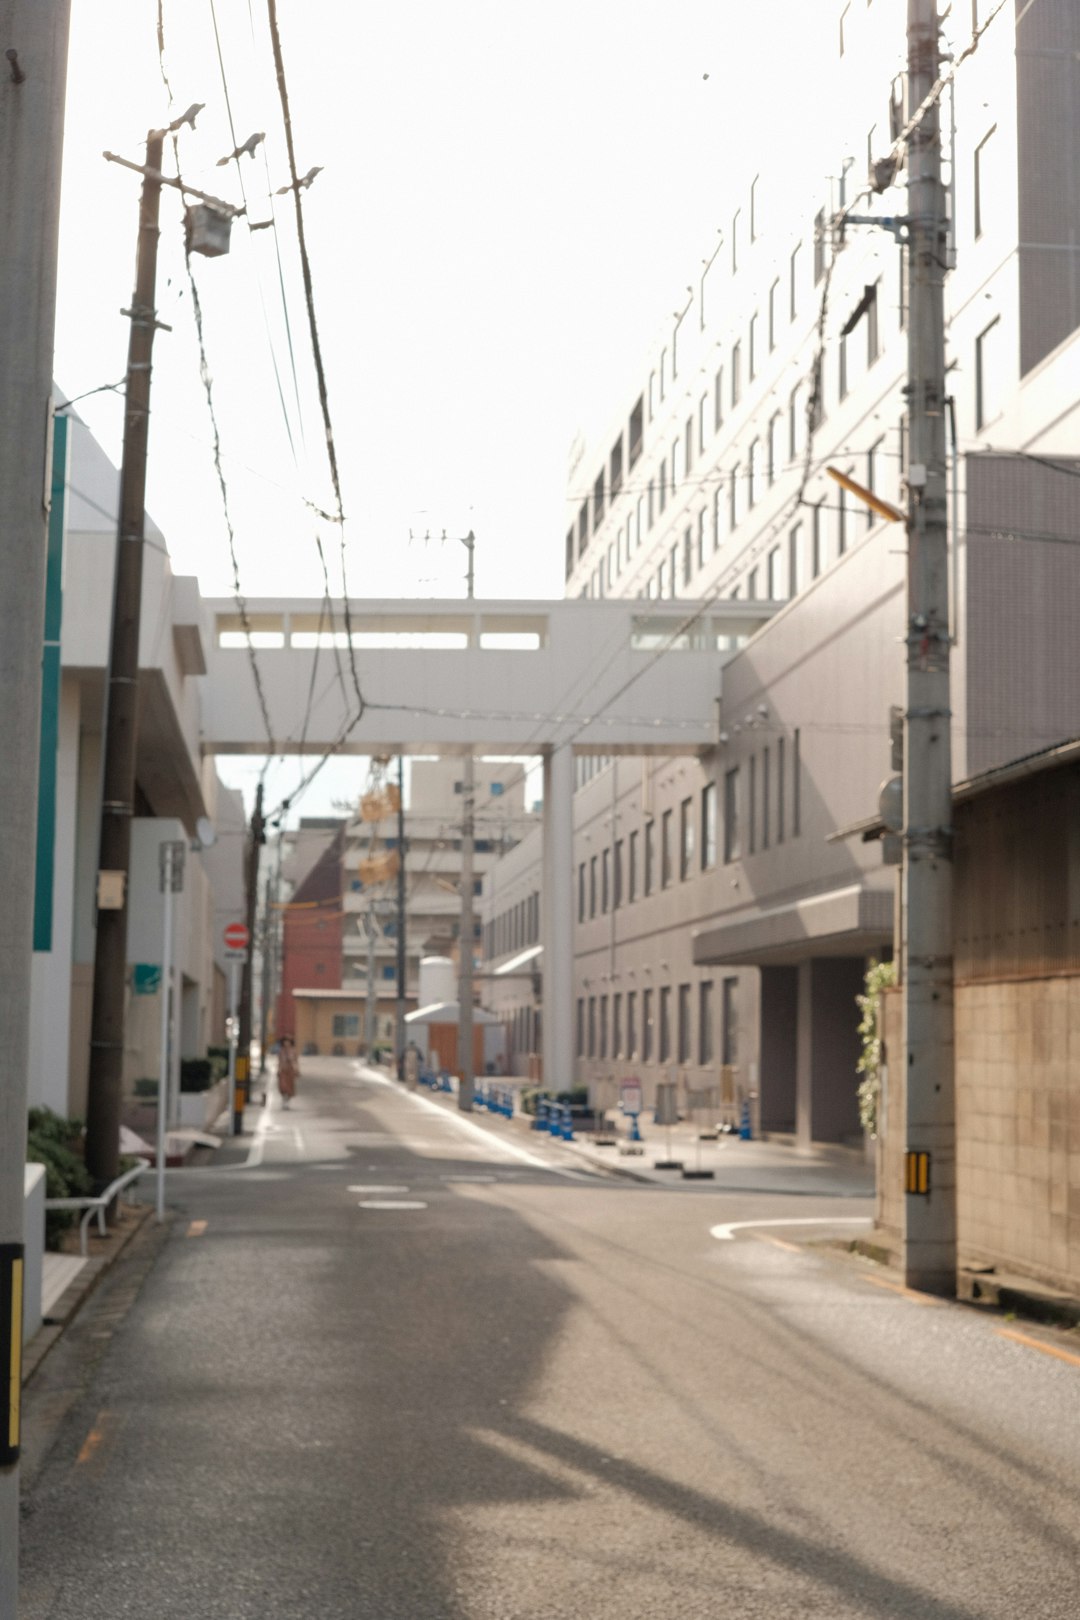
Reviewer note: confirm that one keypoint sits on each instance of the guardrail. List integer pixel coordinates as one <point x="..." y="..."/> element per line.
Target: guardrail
<point x="97" y="1206"/>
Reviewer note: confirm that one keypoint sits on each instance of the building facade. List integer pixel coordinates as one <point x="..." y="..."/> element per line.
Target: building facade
<point x="720" y="921"/>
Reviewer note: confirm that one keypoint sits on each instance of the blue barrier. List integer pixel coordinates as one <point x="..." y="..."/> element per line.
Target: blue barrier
<point x="567" y="1124"/>
<point x="745" y="1132"/>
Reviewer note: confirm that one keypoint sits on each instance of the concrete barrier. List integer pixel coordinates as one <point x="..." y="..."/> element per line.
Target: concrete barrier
<point x="34" y="1239"/>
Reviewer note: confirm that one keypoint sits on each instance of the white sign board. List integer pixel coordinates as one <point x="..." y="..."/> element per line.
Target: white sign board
<point x="630" y="1096"/>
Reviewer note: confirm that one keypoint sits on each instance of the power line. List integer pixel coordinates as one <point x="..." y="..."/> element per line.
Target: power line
<point x="316" y="347"/>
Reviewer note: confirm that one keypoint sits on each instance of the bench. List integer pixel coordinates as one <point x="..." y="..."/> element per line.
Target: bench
<point x="100" y="1204"/>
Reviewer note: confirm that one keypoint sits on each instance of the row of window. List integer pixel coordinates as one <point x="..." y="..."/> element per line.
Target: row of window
<point x="634" y="867"/>
<point x="514" y="928"/>
<point x="671" y="1024"/>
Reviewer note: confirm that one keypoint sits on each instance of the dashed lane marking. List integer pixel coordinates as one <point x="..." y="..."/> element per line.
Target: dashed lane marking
<point x="391" y="1203"/>
<point x="97" y="1439"/>
<point x="912" y="1294"/>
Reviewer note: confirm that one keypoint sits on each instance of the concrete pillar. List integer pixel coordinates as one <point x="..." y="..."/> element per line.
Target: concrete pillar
<point x="804" y="1056"/>
<point x="558" y="930"/>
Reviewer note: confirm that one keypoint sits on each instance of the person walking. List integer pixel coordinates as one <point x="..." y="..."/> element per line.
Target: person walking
<point x="288" y="1070"/>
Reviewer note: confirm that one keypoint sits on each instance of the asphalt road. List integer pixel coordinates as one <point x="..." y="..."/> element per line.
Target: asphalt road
<point x="388" y="1364"/>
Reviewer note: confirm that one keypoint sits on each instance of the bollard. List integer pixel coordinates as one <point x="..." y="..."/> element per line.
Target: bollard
<point x="540" y="1117"/>
<point x="635" y="1134"/>
<point x="745" y="1132"/>
<point x="567" y="1130"/>
<point x="554" y="1118"/>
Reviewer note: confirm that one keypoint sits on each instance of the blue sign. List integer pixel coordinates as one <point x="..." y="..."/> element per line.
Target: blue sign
<point x="146" y="980"/>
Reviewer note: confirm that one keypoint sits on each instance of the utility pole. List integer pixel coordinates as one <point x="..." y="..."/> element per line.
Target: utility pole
<point x="399" y="1010"/>
<point x="267" y="937"/>
<point x="465" y="943"/>
<point x="33" y="68"/>
<point x="256" y="839"/>
<point x="927" y="961"/>
<point x="369" y="999"/>
<point x="121" y="725"/>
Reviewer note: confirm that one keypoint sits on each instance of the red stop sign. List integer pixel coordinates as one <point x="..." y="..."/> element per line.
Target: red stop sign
<point x="236" y="937"/>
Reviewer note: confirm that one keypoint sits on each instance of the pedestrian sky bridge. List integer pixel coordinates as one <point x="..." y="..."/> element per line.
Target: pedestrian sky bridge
<point x="612" y="677"/>
<point x="521" y="678"/>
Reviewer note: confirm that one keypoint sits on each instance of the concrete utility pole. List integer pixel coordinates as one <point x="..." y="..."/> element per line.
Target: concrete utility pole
<point x="121" y="725"/>
<point x="399" y="1010"/>
<point x="33" y="40"/>
<point x="267" y="938"/>
<point x="927" y="962"/>
<point x="465" y="942"/>
<point x="256" y="839"/>
<point x="369" y="999"/>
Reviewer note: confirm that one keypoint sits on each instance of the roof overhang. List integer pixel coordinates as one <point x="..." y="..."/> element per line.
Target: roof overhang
<point x="852" y="921"/>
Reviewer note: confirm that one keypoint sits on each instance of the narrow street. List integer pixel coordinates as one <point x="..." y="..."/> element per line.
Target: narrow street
<point x="387" y="1362"/>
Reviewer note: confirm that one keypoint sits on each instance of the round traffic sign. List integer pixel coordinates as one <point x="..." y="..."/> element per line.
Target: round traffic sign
<point x="236" y="937"/>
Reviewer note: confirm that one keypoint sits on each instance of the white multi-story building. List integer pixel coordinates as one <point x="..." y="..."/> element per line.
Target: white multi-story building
<point x="720" y="920"/>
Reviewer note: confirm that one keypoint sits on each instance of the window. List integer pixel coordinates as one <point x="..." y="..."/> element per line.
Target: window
<point x="688" y="558"/>
<point x="346" y="1024"/>
<point x="796" y="786"/>
<point x="751" y="585"/>
<point x="581" y="1026"/>
<point x="754" y="355"/>
<point x="605" y="881"/>
<point x="843" y="383"/>
<point x="615" y="467"/>
<point x="735" y="241"/>
<point x="664" y="1051"/>
<point x="755" y="208"/>
<point x="708" y="826"/>
<point x="841" y="522"/>
<point x="678" y="470"/>
<point x="705" y="1022"/>
<point x="673" y="571"/>
<point x="650" y="856"/>
<point x="794" y="271"/>
<point x="665" y="849"/>
<point x="686" y="839"/>
<point x="701" y="538"/>
<point x="988" y="374"/>
<point x="598" y="502"/>
<point x="663" y="373"/>
<point x="603" y="1026"/>
<point x="873" y="336"/>
<point x="819" y="246"/>
<point x="733" y="497"/>
<point x="981" y="190"/>
<point x="845" y="169"/>
<point x="843" y="29"/>
<point x="781" y="788"/>
<point x="581" y="892"/>
<point x="569" y="553"/>
<point x="631" y="876"/>
<point x="873" y="475"/>
<point x="732" y="845"/>
<point x="637" y="430"/>
<point x="631" y="1024"/>
<point x="817" y="539"/>
<point x="592" y="1026"/>
<point x="688" y="454"/>
<point x="794" y="541"/>
<point x="774" y="298"/>
<point x="683" y="1048"/>
<point x="617" y="875"/>
<point x="751" y="808"/>
<point x="616" y="1026"/>
<point x="736" y="373"/>
<point x="775" y="585"/>
<point x="651" y="502"/>
<point x="592" y="886"/>
<point x="729" y="1034"/>
<point x="796" y="422"/>
<point x="772" y="452"/>
<point x="702" y="415"/>
<point x="662" y="494"/>
<point x="718" y="400"/>
<point x="753" y="492"/>
<point x="766" y="797"/>
<point x="717" y="515"/>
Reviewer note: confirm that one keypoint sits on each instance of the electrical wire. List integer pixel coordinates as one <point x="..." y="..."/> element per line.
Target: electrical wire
<point x="316" y="347"/>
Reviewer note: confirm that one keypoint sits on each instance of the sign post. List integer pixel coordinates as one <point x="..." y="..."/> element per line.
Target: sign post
<point x="171" y="877"/>
<point x="236" y="950"/>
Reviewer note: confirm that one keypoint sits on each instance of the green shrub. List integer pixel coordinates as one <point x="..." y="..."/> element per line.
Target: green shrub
<point x="196" y="1074"/>
<point x="56" y="1143"/>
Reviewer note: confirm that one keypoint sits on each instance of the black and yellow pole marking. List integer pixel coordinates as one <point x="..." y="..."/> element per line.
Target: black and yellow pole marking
<point x="240" y="1094"/>
<point x="917" y="1173"/>
<point x="11" y="1321"/>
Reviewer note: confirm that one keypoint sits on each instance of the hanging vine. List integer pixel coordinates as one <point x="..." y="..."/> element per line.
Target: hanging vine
<point x="879" y="976"/>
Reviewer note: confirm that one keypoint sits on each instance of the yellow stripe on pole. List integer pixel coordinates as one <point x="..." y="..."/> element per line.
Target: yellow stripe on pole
<point x="885" y="509"/>
<point x="15" y="1354"/>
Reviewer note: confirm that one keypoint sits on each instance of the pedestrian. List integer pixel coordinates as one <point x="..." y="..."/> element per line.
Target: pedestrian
<point x="412" y="1065"/>
<point x="288" y="1070"/>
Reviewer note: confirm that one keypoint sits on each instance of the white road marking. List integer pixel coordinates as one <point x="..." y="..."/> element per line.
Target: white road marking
<point x="477" y="1180"/>
<point x="477" y="1132"/>
<point x="390" y="1203"/>
<point x="370" y="1189"/>
<point x="255" y="1152"/>
<point x="726" y="1233"/>
<point x="298" y="1139"/>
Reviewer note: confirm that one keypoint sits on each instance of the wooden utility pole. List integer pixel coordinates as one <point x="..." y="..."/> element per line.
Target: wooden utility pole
<point x="121" y="723"/>
<point x="256" y="839"/>
<point x="402" y="959"/>
<point x="927" y="960"/>
<point x="465" y="942"/>
<point x="33" y="69"/>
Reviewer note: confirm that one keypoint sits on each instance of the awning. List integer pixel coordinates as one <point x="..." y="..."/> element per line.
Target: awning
<point x="843" y="922"/>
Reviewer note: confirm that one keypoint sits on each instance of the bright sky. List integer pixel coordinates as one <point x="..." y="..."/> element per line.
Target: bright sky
<point x="510" y="199"/>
